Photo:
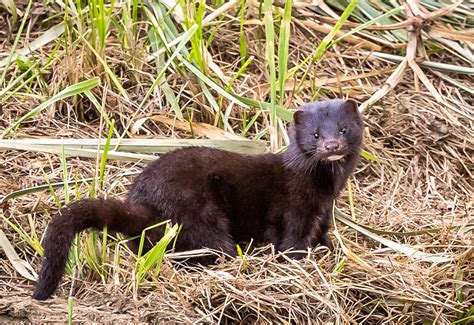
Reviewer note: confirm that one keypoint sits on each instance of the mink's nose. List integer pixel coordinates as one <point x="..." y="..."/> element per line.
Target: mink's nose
<point x="332" y="146"/>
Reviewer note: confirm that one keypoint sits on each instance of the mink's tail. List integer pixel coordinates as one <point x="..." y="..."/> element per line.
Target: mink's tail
<point x="116" y="215"/>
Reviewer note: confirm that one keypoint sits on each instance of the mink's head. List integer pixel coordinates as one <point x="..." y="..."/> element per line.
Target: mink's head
<point x="327" y="130"/>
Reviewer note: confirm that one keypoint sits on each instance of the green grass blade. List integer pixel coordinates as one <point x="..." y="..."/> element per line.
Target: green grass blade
<point x="187" y="36"/>
<point x="324" y="45"/>
<point x="249" y="125"/>
<point x="72" y="90"/>
<point x="369" y="11"/>
<point x="270" y="62"/>
<point x="281" y="111"/>
<point x="32" y="242"/>
<point x="242" y="40"/>
<point x="15" y="43"/>
<point x="370" y="157"/>
<point x="103" y="160"/>
<point x="104" y="250"/>
<point x="371" y="22"/>
<point x="234" y="78"/>
<point x="156" y="254"/>
<point x="51" y="189"/>
<point x="10" y="5"/>
<point x="110" y="73"/>
<point x="91" y="255"/>
<point x="128" y="149"/>
<point x="165" y="87"/>
<point x="70" y="309"/>
<point x="39" y="188"/>
<point x="53" y="58"/>
<point x="284" y="41"/>
<point x="65" y="176"/>
<point x="211" y="83"/>
<point x="45" y="38"/>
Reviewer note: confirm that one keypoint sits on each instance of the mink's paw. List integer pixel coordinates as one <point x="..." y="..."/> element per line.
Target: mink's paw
<point x="327" y="242"/>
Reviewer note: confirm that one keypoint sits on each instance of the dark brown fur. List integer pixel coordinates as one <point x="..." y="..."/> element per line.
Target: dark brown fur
<point x="222" y="198"/>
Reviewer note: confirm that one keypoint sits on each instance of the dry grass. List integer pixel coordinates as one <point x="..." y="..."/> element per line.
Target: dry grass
<point x="421" y="194"/>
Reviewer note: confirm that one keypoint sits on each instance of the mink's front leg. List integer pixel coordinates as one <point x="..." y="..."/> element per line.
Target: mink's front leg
<point x="323" y="239"/>
<point x="296" y="235"/>
<point x="301" y="233"/>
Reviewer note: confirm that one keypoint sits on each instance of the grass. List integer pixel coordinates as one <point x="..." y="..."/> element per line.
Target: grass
<point x="67" y="92"/>
<point x="93" y="90"/>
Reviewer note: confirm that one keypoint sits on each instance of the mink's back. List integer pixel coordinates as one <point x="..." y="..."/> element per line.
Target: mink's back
<point x="175" y="186"/>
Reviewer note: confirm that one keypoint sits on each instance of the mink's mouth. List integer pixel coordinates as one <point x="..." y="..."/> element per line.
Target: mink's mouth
<point x="334" y="157"/>
<point x="331" y="156"/>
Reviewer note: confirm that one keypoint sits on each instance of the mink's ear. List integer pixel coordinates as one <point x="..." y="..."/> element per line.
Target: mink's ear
<point x="298" y="117"/>
<point x="351" y="106"/>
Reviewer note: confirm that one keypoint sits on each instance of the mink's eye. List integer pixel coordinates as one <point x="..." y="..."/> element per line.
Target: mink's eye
<point x="316" y="135"/>
<point x="342" y="131"/>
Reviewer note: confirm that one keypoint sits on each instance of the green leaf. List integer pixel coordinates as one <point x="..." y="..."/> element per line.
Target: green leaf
<point x="283" y="45"/>
<point x="367" y="155"/>
<point x="103" y="160"/>
<point x="281" y="111"/>
<point x="65" y="93"/>
<point x="156" y="254"/>
<point x="186" y="37"/>
<point x="128" y="149"/>
<point x="45" y="38"/>
<point x="10" y="5"/>
<point x="371" y="22"/>
<point x="6" y="62"/>
<point x="70" y="305"/>
<point x="211" y="83"/>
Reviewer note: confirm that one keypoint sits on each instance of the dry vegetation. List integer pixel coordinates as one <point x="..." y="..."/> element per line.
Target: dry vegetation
<point x="420" y="124"/>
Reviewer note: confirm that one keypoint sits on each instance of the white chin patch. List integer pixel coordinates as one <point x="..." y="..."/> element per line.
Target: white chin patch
<point x="335" y="157"/>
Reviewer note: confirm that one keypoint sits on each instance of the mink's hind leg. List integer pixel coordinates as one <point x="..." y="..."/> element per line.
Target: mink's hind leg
<point x="206" y="228"/>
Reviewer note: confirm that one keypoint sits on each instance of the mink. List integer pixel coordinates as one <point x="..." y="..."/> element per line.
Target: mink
<point x="222" y="198"/>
